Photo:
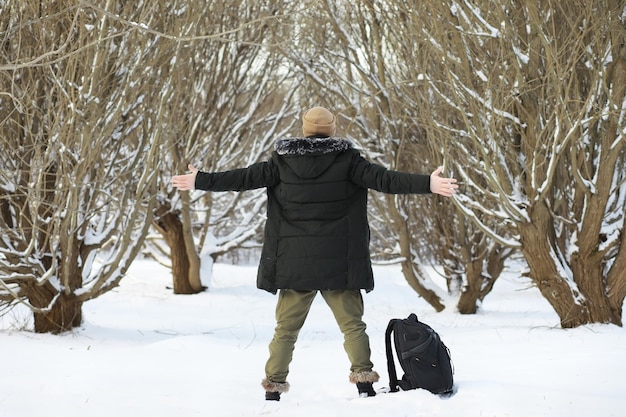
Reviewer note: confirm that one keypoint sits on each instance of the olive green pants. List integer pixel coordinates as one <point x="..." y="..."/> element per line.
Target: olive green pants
<point x="292" y="309"/>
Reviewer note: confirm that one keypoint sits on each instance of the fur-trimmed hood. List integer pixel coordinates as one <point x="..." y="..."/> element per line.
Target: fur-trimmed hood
<point x="310" y="157"/>
<point x="312" y="145"/>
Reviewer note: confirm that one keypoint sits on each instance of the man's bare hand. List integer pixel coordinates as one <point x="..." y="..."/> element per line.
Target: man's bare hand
<point x="186" y="182"/>
<point x="442" y="186"/>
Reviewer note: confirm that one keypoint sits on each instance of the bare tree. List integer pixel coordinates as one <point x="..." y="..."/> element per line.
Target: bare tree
<point x="472" y="261"/>
<point x="537" y="96"/>
<point x="79" y="140"/>
<point x="227" y="105"/>
<point x="97" y="95"/>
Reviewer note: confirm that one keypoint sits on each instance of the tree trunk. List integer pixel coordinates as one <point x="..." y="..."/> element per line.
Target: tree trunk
<point x="454" y="282"/>
<point x="587" y="271"/>
<point x="468" y="301"/>
<point x="64" y="314"/>
<point x="616" y="279"/>
<point x="169" y="225"/>
<point x="573" y="307"/>
<point x="479" y="283"/>
<point x="411" y="272"/>
<point x="193" y="273"/>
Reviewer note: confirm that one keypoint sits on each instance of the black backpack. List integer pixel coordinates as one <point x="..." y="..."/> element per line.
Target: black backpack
<point x="423" y="356"/>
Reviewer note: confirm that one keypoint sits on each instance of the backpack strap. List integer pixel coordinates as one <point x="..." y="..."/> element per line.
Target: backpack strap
<point x="391" y="366"/>
<point x="432" y="337"/>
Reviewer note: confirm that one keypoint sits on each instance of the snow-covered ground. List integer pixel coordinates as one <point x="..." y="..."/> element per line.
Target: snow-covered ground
<point x="143" y="351"/>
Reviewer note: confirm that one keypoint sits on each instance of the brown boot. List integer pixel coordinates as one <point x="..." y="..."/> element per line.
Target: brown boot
<point x="274" y="389"/>
<point x="365" y="389"/>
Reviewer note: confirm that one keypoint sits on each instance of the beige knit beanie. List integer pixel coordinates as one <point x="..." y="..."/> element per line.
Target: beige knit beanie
<point x="318" y="121"/>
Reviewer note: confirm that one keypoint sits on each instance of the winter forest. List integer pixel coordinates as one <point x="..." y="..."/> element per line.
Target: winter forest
<point x="524" y="102"/>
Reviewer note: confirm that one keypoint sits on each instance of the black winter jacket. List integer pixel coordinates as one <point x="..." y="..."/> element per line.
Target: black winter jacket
<point x="316" y="233"/>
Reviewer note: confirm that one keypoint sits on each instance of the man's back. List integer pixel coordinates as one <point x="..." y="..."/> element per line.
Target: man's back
<point x="317" y="233"/>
